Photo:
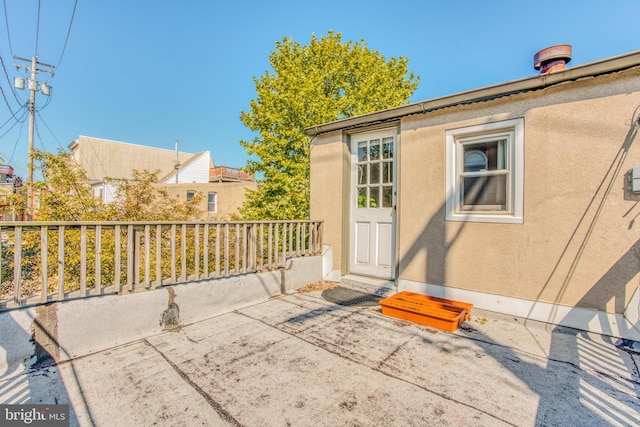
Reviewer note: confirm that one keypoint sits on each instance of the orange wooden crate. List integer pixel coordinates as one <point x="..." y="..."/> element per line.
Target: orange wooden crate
<point x="439" y="313"/>
<point x="444" y="301"/>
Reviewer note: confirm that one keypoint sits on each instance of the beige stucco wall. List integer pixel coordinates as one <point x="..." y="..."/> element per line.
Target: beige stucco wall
<point x="104" y="158"/>
<point x="578" y="244"/>
<point x="329" y="184"/>
<point x="231" y="195"/>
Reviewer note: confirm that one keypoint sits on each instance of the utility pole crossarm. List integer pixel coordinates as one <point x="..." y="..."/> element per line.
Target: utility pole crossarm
<point x="28" y="68"/>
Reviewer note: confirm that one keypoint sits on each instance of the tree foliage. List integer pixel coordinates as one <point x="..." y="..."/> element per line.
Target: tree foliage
<point x="311" y="84"/>
<point x="65" y="195"/>
<point x="138" y="200"/>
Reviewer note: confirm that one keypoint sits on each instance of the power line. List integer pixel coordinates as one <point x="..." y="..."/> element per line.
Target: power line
<point x="7" y="102"/>
<point x="12" y="126"/>
<point x="6" y="74"/>
<point x="39" y="137"/>
<point x="6" y="20"/>
<point x="64" y="48"/>
<point x="38" y="28"/>
<point x="45" y="104"/>
<point x="15" y="145"/>
<point x="17" y="165"/>
<point x="50" y="131"/>
<point x="20" y="120"/>
<point x="12" y="91"/>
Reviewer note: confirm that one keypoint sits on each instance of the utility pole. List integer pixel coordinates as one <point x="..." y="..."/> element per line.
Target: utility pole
<point x="33" y="88"/>
<point x="176" y="163"/>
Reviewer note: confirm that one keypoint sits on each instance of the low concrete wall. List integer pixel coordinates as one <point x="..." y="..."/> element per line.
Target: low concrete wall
<point x="64" y="330"/>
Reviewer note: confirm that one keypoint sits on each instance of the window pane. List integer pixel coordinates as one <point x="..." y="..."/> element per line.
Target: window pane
<point x="362" y="151"/>
<point x="362" y="197"/>
<point x="362" y="174"/>
<point x="375" y="173"/>
<point x="374" y="149"/>
<point x="387" y="148"/>
<point x="374" y="197"/>
<point x="387" y="197"/>
<point x="387" y="172"/>
<point x="475" y="161"/>
<point x="490" y="155"/>
<point x="484" y="193"/>
<point x="211" y="202"/>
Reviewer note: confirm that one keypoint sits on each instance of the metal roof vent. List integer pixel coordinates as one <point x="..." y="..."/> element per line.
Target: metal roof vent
<point x="552" y="58"/>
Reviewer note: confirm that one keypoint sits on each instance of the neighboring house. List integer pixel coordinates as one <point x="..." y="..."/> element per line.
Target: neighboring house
<point x="9" y="183"/>
<point x="221" y="199"/>
<point x="515" y="197"/>
<point x="181" y="176"/>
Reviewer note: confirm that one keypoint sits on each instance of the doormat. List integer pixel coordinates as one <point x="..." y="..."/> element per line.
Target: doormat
<point x="350" y="297"/>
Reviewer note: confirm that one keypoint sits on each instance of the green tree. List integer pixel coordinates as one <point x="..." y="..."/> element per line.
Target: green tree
<point x="139" y="200"/>
<point x="311" y="84"/>
<point x="64" y="193"/>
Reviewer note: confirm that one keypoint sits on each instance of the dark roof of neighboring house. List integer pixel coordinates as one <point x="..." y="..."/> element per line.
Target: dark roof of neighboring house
<point x="605" y="66"/>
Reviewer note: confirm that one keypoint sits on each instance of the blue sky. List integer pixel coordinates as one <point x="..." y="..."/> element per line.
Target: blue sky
<point x="152" y="71"/>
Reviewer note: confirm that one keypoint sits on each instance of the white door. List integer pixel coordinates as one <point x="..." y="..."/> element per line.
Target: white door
<point x="372" y="245"/>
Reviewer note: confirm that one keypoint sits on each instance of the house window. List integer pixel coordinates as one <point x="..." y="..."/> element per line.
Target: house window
<point x="485" y="173"/>
<point x="190" y="194"/>
<point x="212" y="200"/>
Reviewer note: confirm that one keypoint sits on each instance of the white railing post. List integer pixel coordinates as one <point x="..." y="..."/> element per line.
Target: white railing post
<point x="217" y="249"/>
<point x="83" y="260"/>
<point x="17" y="266"/>
<point x="173" y="253"/>
<point x="97" y="287"/>
<point x="226" y="249"/>
<point x="61" y="263"/>
<point x="130" y="257"/>
<point x="44" y="259"/>
<point x="147" y="256"/>
<point x="196" y="261"/>
<point x="205" y="251"/>
<point x="118" y="259"/>
<point x="158" y="281"/>
<point x="183" y="253"/>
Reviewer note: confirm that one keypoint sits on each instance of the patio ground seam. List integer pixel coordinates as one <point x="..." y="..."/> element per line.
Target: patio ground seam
<point x="387" y="374"/>
<point x="224" y="414"/>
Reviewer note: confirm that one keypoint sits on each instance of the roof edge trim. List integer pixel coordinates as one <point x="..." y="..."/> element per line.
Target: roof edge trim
<point x="605" y="66"/>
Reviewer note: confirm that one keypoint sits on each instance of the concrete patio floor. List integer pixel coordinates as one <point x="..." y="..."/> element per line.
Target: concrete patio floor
<point x="299" y="360"/>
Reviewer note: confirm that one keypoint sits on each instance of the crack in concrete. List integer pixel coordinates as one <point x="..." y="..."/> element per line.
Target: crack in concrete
<point x="393" y="353"/>
<point x="224" y="414"/>
<point x="342" y="356"/>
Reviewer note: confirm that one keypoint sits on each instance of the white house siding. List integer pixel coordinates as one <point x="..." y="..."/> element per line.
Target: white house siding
<point x="196" y="171"/>
<point x="104" y="190"/>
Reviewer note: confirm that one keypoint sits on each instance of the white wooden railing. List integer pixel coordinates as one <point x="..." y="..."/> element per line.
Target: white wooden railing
<point x="53" y="261"/>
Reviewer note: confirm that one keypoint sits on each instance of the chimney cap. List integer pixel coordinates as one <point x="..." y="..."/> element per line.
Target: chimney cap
<point x="560" y="52"/>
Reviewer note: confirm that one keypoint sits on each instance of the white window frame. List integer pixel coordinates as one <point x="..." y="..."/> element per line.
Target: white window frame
<point x="215" y="202"/>
<point x="513" y="131"/>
